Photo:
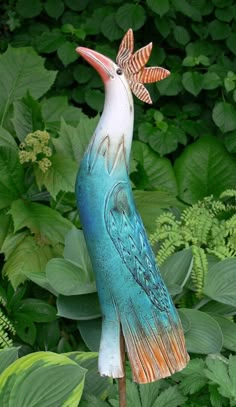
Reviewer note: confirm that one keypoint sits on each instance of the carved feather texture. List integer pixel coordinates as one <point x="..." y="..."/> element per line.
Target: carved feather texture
<point x="134" y="69"/>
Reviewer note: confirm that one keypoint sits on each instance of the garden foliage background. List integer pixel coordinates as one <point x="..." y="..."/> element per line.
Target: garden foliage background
<point x="183" y="173"/>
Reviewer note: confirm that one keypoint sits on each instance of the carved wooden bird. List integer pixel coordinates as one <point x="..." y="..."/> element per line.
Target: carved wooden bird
<point x="133" y="297"/>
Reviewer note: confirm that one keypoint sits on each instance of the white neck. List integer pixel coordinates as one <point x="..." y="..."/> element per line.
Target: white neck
<point x="113" y="135"/>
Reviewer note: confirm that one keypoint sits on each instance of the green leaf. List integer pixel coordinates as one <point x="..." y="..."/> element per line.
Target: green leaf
<point x="159" y="170"/>
<point x="204" y="168"/>
<point x="219" y="30"/>
<point x="7" y="357"/>
<point x="177" y="269"/>
<point x="28" y="9"/>
<point x="91" y="333"/>
<point x="77" y="6"/>
<point x="66" y="52"/>
<point x="192" y="379"/>
<point x="181" y="35"/>
<point x="224" y="116"/>
<point x="230" y="142"/>
<point x="68" y="279"/>
<point x="220" y="284"/>
<point x="55" y="109"/>
<point x="170" y="397"/>
<point x="110" y="28"/>
<point x="17" y="268"/>
<point x="76" y="251"/>
<point x="79" y="307"/>
<point x="204" y="335"/>
<point x="11" y="176"/>
<point x="54" y="8"/>
<point x="73" y="142"/>
<point x="60" y="176"/>
<point x="187" y="9"/>
<point x="47" y="371"/>
<point x="211" y="81"/>
<point x="46" y="223"/>
<point x="149" y="204"/>
<point x="25" y="328"/>
<point x="130" y="15"/>
<point x="160" y="7"/>
<point x="27" y="117"/>
<point x="94" y="383"/>
<point x="231" y="42"/>
<point x="95" y="99"/>
<point x="171" y="85"/>
<point x="48" y="335"/>
<point x="193" y="82"/>
<point x="165" y="142"/>
<point x="218" y="372"/>
<point x="49" y="41"/>
<point x="6" y="139"/>
<point x="38" y="310"/>
<point x="229" y="332"/>
<point x="22" y="70"/>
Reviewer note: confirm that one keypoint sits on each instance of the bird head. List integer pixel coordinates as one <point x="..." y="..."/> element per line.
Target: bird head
<point x="128" y="64"/>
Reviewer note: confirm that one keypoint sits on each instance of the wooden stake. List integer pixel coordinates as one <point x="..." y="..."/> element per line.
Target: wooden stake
<point x="122" y="380"/>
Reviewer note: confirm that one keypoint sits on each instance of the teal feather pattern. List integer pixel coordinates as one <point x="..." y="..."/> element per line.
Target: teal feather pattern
<point x="133" y="297"/>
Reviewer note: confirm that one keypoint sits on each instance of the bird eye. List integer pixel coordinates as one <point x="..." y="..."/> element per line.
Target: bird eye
<point x="119" y="71"/>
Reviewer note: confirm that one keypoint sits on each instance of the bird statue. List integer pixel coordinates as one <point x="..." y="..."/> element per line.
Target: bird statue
<point x="135" y="303"/>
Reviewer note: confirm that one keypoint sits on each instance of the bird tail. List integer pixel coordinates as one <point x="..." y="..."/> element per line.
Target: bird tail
<point x="156" y="347"/>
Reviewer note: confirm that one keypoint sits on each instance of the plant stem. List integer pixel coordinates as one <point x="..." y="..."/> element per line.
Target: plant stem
<point x="122" y="380"/>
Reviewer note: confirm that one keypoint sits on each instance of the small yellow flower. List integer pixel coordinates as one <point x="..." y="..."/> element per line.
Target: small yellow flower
<point x="35" y="149"/>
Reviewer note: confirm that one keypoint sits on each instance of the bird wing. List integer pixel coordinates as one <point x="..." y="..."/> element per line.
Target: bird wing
<point x="127" y="232"/>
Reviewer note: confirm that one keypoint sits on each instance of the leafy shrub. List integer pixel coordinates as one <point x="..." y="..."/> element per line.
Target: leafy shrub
<point x="182" y="153"/>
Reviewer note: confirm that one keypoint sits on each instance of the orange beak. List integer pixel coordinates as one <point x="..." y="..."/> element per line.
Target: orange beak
<point x="102" y="64"/>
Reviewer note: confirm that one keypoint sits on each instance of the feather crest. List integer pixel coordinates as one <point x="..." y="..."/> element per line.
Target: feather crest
<point x="134" y="69"/>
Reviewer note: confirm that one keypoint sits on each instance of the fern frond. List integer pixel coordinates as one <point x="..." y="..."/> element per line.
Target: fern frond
<point x="6" y="327"/>
<point x="229" y="193"/>
<point x="200" y="268"/>
<point x="167" y="249"/>
<point x="222" y="252"/>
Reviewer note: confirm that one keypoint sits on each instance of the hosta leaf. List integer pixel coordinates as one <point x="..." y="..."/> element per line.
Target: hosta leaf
<point x="94" y="383"/>
<point x="204" y="335"/>
<point x="47" y="371"/>
<point x="224" y="116"/>
<point x="79" y="307"/>
<point x="76" y="251"/>
<point x="91" y="333"/>
<point x="204" y="168"/>
<point x="38" y="310"/>
<point x="220" y="282"/>
<point x="22" y="70"/>
<point x="7" y="357"/>
<point x="11" y="176"/>
<point x="46" y="223"/>
<point x="177" y="269"/>
<point x="228" y="328"/>
<point x="130" y="15"/>
<point x="25" y="328"/>
<point x="68" y="279"/>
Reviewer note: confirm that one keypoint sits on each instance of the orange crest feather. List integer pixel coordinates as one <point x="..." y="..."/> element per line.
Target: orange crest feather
<point x="134" y="69"/>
